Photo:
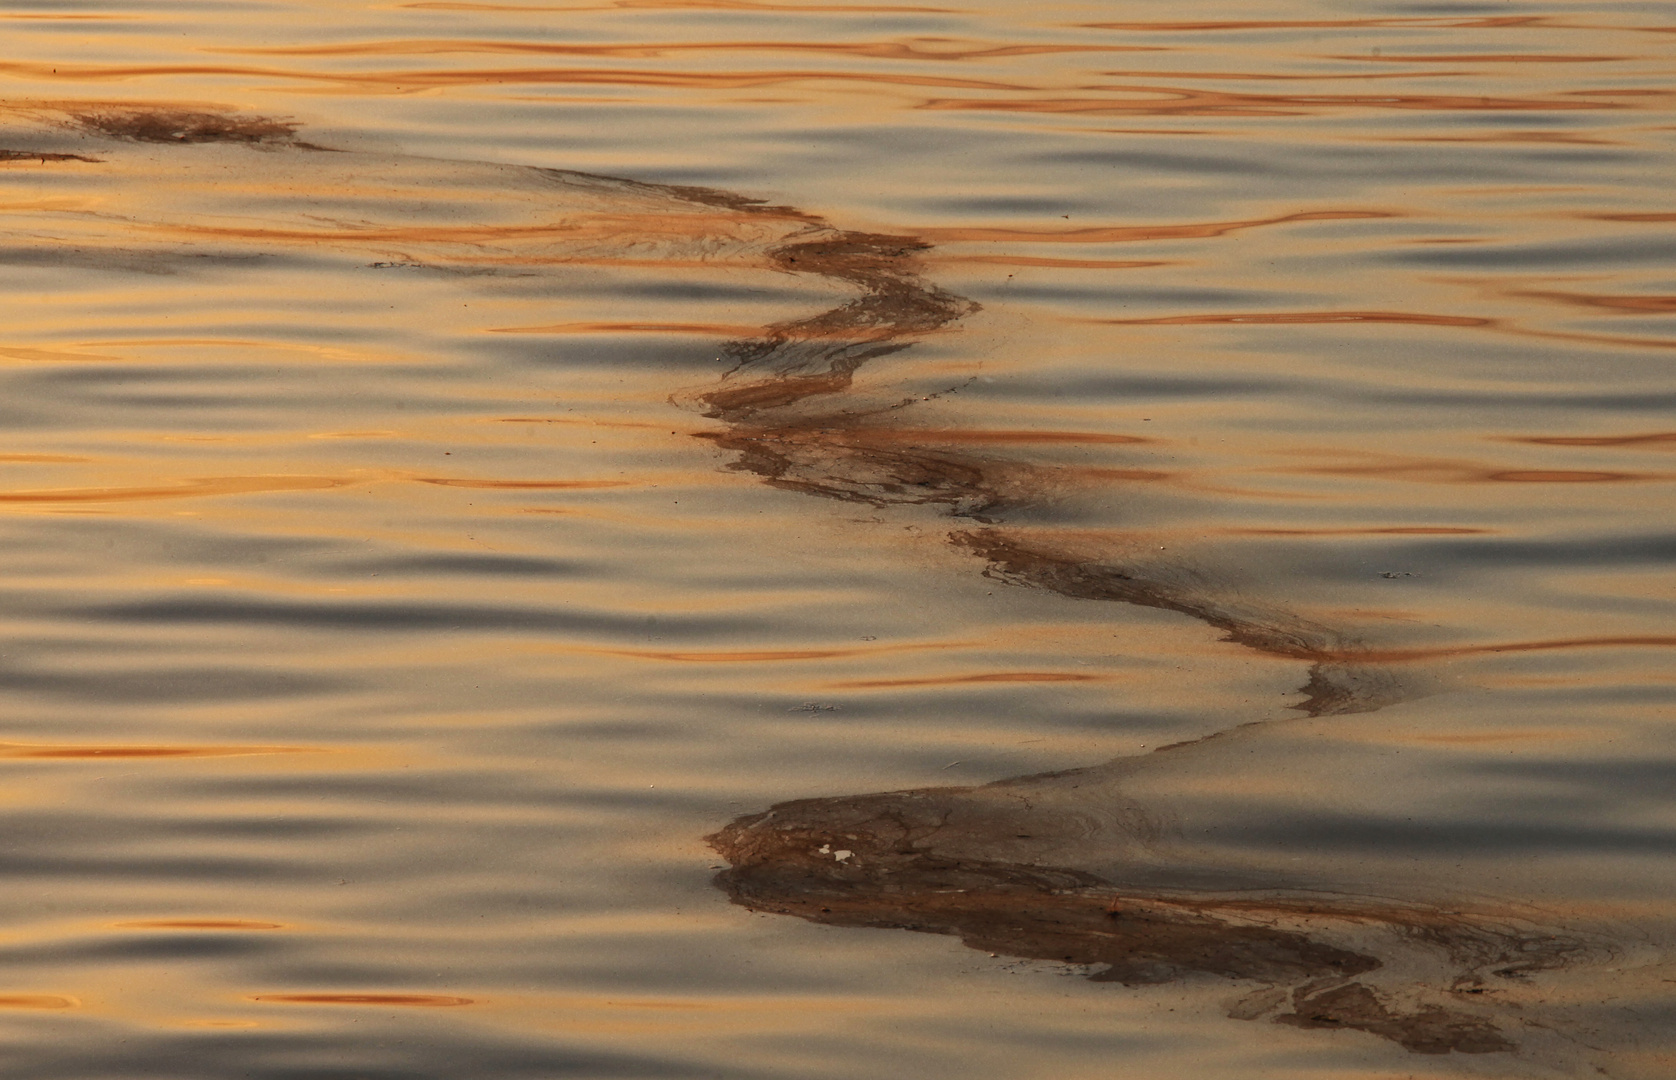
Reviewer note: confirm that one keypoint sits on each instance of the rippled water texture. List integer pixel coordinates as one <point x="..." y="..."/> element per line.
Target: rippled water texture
<point x="665" y="538"/>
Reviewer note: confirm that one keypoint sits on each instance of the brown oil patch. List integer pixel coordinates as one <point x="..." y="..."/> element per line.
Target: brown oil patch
<point x="778" y="864"/>
<point x="44" y="158"/>
<point x="84" y="751"/>
<point x="820" y="355"/>
<point x="1430" y="1030"/>
<point x="791" y="424"/>
<point x="184" y="126"/>
<point x="1344" y="675"/>
<point x="431" y="1001"/>
<point x="835" y="463"/>
<point x="893" y="861"/>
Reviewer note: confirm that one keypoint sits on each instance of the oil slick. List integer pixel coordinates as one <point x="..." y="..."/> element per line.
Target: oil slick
<point x="1133" y="868"/>
<point x="1110" y="867"/>
<point x="113" y="186"/>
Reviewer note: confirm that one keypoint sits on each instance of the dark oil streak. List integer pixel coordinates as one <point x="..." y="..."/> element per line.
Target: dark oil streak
<point x="184" y="126"/>
<point x="879" y="860"/>
<point x="43" y="158"/>
<point x="841" y="450"/>
<point x="874" y="861"/>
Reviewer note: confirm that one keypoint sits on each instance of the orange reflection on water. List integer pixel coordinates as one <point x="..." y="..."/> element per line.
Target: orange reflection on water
<point x="1491" y="22"/>
<point x="958" y="680"/>
<point x="406" y="82"/>
<point x="37" y="1001"/>
<point x="1300" y="317"/>
<point x="1651" y="440"/>
<point x="1476" y="738"/>
<point x="1117" y="234"/>
<point x="751" y="656"/>
<point x="43" y="459"/>
<point x="981" y="437"/>
<point x="1034" y="424"/>
<point x="911" y="49"/>
<point x="1635" y="304"/>
<point x="52" y="356"/>
<point x="1044" y="261"/>
<point x="404" y="1000"/>
<point x="675" y="5"/>
<point x="1393" y="530"/>
<point x="1476" y="322"/>
<point x="72" y="751"/>
<point x="183" y="489"/>
<point x="524" y="485"/>
<point x="1183" y="101"/>
<point x="198" y="924"/>
<point x="1483" y="58"/>
<point x="1404" y="656"/>
<point x="1450" y="472"/>
<point x="720" y="330"/>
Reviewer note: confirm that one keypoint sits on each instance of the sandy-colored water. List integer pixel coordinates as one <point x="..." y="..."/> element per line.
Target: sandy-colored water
<point x="466" y="463"/>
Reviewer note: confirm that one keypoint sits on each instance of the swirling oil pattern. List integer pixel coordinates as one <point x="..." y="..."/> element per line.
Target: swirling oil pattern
<point x="815" y="539"/>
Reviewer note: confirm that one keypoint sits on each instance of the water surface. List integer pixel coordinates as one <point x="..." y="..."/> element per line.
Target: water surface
<point x="1209" y="470"/>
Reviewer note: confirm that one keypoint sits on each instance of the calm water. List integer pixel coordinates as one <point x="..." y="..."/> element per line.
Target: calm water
<point x="460" y="456"/>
